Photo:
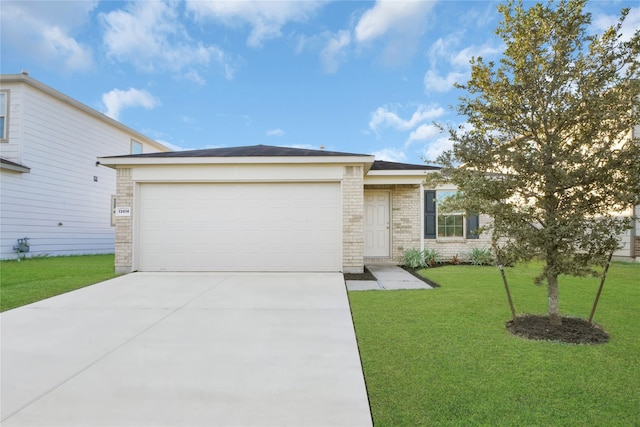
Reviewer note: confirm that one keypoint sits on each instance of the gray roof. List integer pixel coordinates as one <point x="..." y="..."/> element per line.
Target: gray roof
<point x="272" y="151"/>
<point x="381" y="165"/>
<point x="248" y="151"/>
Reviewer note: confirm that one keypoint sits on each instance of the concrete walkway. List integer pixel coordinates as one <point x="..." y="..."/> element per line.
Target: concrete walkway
<point x="186" y="349"/>
<point x="389" y="277"/>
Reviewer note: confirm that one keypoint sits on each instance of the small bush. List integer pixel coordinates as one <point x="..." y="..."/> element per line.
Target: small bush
<point x="480" y="256"/>
<point x="431" y="257"/>
<point x="413" y="258"/>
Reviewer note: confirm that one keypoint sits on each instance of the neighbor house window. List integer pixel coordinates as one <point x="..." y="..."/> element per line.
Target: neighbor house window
<point x="136" y="147"/>
<point x="4" y="115"/>
<point x="446" y="224"/>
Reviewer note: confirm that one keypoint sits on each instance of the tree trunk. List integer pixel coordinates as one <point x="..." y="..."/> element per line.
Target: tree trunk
<point x="553" y="294"/>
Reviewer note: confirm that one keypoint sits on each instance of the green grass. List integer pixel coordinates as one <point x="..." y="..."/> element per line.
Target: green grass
<point x="34" y="279"/>
<point x="444" y="358"/>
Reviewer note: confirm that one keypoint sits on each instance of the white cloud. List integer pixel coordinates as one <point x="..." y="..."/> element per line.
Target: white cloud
<point x="433" y="150"/>
<point x="423" y="133"/>
<point x="436" y="83"/>
<point x="392" y="16"/>
<point x="400" y="25"/>
<point x="266" y="18"/>
<point x="117" y="100"/>
<point x="390" y="155"/>
<point x="150" y="36"/>
<point x="630" y="26"/>
<point x="45" y="30"/>
<point x="334" y="51"/>
<point x="462" y="58"/>
<point x="444" y="51"/>
<point x="383" y="118"/>
<point x="275" y="132"/>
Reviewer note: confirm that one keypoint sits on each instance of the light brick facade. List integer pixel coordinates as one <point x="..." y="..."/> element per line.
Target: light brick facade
<point x="124" y="224"/>
<point x="353" y="219"/>
<point x="406" y="212"/>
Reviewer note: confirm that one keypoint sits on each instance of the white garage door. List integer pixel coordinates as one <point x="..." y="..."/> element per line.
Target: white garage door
<point x="239" y="227"/>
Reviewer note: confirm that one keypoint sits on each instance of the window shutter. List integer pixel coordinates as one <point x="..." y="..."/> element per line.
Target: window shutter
<point x="429" y="214"/>
<point x="473" y="223"/>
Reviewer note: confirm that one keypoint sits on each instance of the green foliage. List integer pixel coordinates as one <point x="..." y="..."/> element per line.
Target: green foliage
<point x="33" y="279"/>
<point x="444" y="358"/>
<point x="415" y="258"/>
<point x="431" y="257"/>
<point x="547" y="151"/>
<point x="480" y="256"/>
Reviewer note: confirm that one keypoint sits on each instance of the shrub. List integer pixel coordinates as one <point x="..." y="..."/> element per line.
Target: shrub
<point x="480" y="256"/>
<point x="414" y="258"/>
<point x="431" y="257"/>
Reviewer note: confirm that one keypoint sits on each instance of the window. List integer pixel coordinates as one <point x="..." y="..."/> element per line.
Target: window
<point x="4" y="119"/>
<point x="446" y="225"/>
<point x="450" y="224"/>
<point x="136" y="147"/>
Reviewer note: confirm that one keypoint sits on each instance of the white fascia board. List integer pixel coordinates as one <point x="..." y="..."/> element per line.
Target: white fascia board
<point x="395" y="177"/>
<point x="114" y="162"/>
<point x="15" y="168"/>
<point x="400" y="172"/>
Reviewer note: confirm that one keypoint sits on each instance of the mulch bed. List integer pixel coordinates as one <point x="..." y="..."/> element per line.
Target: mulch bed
<point x="364" y="276"/>
<point x="573" y="330"/>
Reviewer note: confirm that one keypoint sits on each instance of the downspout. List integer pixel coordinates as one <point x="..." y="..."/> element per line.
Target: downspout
<point x="421" y="215"/>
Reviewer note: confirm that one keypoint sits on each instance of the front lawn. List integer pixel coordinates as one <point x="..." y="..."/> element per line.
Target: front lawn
<point x="444" y="356"/>
<point x="34" y="279"/>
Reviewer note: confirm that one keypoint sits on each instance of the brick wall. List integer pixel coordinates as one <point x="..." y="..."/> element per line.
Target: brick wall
<point x="353" y="219"/>
<point x="406" y="217"/>
<point x="124" y="224"/>
<point x="637" y="247"/>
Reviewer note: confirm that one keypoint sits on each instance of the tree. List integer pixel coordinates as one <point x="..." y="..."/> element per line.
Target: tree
<point x="548" y="151"/>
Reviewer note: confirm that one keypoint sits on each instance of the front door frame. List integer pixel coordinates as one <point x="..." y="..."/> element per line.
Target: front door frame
<point x="387" y="253"/>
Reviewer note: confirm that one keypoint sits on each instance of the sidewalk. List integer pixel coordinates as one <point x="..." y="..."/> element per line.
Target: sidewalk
<point x="388" y="277"/>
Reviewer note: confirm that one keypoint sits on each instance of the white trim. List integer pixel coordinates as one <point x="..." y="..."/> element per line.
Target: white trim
<point x="400" y="172"/>
<point x="114" y="162"/>
<point x="14" y="167"/>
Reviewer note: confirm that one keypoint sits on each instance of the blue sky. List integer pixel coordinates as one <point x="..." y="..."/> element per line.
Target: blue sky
<point x="352" y="76"/>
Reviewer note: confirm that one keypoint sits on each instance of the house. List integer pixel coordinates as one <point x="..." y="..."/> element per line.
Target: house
<point x="53" y="193"/>
<point x="263" y="208"/>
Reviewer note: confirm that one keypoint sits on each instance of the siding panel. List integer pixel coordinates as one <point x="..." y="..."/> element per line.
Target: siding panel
<point x="60" y="144"/>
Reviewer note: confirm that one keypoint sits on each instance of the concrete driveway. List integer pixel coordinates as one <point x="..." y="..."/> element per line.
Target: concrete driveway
<point x="186" y="349"/>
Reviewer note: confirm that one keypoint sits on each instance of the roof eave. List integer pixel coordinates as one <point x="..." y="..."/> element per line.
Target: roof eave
<point x="115" y="162"/>
<point x="404" y="172"/>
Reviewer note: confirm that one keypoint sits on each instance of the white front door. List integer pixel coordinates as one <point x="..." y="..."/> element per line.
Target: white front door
<point x="376" y="223"/>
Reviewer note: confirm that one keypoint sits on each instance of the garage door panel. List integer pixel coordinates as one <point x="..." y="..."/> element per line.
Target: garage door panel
<point x="239" y="227"/>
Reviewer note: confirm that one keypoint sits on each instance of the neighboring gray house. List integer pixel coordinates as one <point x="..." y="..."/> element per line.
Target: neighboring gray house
<point x="51" y="190"/>
<point x="262" y="208"/>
